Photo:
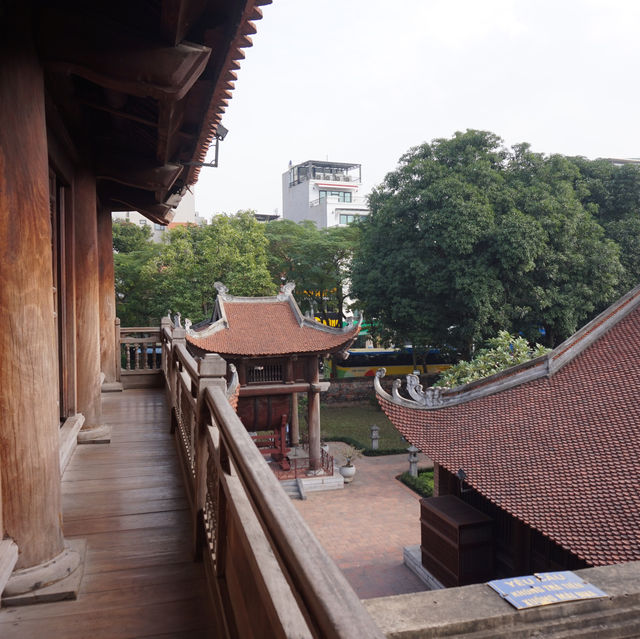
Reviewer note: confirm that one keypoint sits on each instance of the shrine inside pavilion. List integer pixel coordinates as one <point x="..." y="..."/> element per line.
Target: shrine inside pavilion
<point x="276" y="351"/>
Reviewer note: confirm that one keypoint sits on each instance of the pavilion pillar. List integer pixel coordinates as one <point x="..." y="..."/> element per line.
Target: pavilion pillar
<point x="313" y="415"/>
<point x="107" y="294"/>
<point x="29" y="444"/>
<point x="88" y="309"/>
<point x="295" y="422"/>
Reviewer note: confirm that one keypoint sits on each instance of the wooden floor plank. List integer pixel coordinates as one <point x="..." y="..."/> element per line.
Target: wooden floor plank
<point x="126" y="499"/>
<point x="123" y="508"/>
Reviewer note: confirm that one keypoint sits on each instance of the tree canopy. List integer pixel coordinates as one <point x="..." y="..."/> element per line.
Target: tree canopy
<point x="466" y="238"/>
<point x="317" y="260"/>
<point x="179" y="274"/>
<point x="501" y="352"/>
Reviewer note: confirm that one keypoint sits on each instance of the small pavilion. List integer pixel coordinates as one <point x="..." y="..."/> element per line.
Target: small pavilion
<point x="276" y="351"/>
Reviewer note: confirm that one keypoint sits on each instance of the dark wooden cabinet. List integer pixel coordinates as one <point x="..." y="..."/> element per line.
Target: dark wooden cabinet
<point x="457" y="541"/>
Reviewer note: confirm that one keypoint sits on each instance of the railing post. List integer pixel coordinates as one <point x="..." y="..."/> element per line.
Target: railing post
<point x="165" y="323"/>
<point x="177" y="337"/>
<point x="211" y="373"/>
<point x="118" y="350"/>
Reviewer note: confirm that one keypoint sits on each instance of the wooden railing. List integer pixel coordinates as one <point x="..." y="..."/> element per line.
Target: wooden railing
<point x="267" y="574"/>
<point x="139" y="356"/>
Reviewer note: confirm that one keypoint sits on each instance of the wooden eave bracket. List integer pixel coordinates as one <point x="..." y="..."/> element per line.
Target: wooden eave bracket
<point x="158" y="213"/>
<point x="114" y="57"/>
<point x="138" y="173"/>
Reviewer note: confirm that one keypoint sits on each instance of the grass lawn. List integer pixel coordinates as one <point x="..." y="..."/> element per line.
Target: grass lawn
<point x="355" y="421"/>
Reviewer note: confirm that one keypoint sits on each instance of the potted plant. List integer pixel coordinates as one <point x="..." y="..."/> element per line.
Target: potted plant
<point x="348" y="470"/>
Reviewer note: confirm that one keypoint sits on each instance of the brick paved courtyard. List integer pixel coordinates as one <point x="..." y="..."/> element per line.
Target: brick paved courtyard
<point x="365" y="526"/>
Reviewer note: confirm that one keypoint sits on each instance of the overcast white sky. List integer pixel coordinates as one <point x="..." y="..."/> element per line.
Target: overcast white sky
<point x="364" y="80"/>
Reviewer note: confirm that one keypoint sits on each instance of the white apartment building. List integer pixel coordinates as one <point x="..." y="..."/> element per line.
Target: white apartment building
<point x="185" y="213"/>
<point x="325" y="192"/>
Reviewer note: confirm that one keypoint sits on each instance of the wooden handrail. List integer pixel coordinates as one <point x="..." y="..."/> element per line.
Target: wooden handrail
<point x="263" y="564"/>
<point x="187" y="361"/>
<point x="285" y="617"/>
<point x="328" y="597"/>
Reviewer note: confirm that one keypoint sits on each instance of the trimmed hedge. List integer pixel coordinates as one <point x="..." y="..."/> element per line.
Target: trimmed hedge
<point x="367" y="452"/>
<point x="422" y="484"/>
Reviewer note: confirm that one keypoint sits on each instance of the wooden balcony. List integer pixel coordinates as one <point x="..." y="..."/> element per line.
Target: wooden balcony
<point x="224" y="554"/>
<point x="128" y="502"/>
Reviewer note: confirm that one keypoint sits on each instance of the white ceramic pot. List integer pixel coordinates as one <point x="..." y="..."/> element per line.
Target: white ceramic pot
<point x="347" y="472"/>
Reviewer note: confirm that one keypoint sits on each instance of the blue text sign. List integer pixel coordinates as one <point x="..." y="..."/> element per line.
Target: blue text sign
<point x="544" y="588"/>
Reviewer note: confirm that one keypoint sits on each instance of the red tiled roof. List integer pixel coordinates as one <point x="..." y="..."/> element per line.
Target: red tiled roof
<point x="269" y="328"/>
<point x="560" y="452"/>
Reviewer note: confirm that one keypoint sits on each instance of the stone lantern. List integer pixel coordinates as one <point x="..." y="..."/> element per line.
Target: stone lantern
<point x="413" y="460"/>
<point x="375" y="436"/>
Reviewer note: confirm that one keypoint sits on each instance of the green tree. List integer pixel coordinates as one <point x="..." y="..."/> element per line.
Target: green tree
<point x="613" y="192"/>
<point x="179" y="274"/>
<point x="129" y="237"/>
<point x="500" y="353"/>
<point x="232" y="250"/>
<point x="317" y="260"/>
<point x="466" y="238"/>
<point x="133" y="249"/>
<point x="577" y="270"/>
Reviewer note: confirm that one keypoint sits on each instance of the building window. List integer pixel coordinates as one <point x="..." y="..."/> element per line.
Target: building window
<point x="158" y="227"/>
<point x="343" y="196"/>
<point x="143" y="222"/>
<point x="347" y="218"/>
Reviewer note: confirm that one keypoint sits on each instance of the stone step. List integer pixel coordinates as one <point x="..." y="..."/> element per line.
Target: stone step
<point x="323" y="482"/>
<point x="291" y="488"/>
<point x="298" y="488"/>
<point x="8" y="559"/>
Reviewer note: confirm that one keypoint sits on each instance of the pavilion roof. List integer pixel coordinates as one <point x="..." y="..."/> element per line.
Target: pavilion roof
<point x="555" y="442"/>
<point x="266" y="326"/>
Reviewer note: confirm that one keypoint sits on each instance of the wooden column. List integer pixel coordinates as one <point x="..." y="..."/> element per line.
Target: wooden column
<point x="29" y="463"/>
<point x="295" y="423"/>
<point x="88" y="307"/>
<point x="313" y="415"/>
<point x="108" y="344"/>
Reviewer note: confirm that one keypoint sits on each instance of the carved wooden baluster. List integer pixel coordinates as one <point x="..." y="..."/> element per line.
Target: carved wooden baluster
<point x="127" y="348"/>
<point x="137" y="356"/>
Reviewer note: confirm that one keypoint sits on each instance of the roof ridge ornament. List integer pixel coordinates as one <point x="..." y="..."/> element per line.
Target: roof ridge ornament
<point x="430" y="397"/>
<point x="286" y="291"/>
<point x="223" y="291"/>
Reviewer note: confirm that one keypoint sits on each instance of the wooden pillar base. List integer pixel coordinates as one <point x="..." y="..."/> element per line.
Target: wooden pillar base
<point x="100" y="434"/>
<point x="111" y="387"/>
<point x="54" y="580"/>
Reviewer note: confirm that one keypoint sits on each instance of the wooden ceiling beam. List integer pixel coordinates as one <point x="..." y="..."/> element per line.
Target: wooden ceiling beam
<point x="137" y="172"/>
<point x="119" y="113"/>
<point x="178" y="16"/>
<point x="158" y="213"/>
<point x="94" y="48"/>
<point x="171" y="118"/>
<point x="124" y="198"/>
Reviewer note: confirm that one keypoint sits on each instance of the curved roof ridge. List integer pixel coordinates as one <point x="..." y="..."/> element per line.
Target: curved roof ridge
<point x="544" y="366"/>
<point x="267" y="326"/>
